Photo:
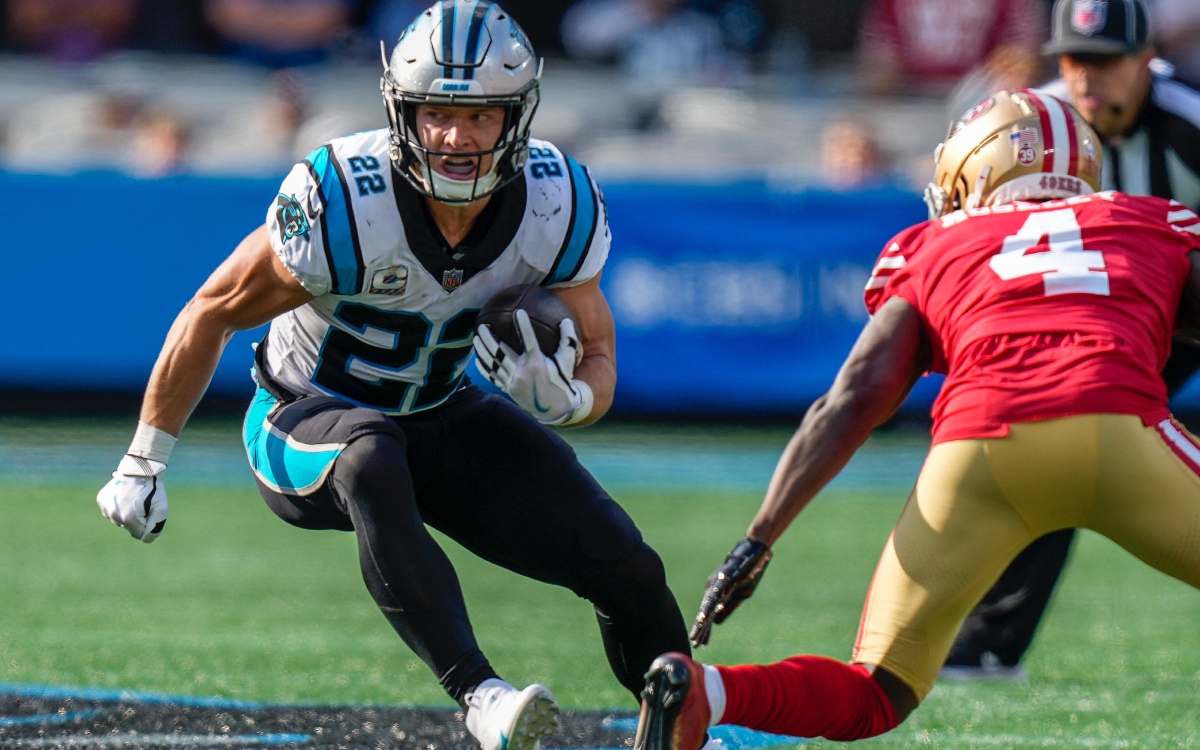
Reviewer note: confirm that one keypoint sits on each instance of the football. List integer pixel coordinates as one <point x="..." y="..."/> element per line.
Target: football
<point x="545" y="312"/>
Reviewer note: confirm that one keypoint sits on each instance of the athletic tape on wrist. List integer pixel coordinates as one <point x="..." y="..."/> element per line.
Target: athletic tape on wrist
<point x="152" y="443"/>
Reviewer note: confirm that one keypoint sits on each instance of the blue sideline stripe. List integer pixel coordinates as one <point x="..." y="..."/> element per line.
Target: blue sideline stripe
<point x="339" y="234"/>
<point x="583" y="228"/>
<point x="165" y="739"/>
<point x="10" y="721"/>
<point x="277" y="462"/>
<point x="121" y="696"/>
<point x="736" y="738"/>
<point x="275" y="739"/>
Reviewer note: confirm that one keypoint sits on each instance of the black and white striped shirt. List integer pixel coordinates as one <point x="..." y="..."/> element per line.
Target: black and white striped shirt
<point x="1161" y="155"/>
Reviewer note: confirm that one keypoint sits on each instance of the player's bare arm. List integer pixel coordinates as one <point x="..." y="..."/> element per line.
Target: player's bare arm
<point x="890" y="355"/>
<point x="247" y="290"/>
<point x="597" y="333"/>
<point x="250" y="288"/>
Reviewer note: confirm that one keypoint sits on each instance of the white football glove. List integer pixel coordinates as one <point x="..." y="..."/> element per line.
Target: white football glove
<point x="135" y="498"/>
<point x="541" y="385"/>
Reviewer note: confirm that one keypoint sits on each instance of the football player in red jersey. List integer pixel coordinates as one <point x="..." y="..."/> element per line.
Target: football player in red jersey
<point x="1050" y="309"/>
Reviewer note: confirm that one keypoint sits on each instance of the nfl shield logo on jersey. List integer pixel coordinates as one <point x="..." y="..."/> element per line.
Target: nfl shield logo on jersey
<point x="1088" y="16"/>
<point x="452" y="279"/>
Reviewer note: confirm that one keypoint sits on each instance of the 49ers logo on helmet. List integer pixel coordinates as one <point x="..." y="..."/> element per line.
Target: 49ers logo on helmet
<point x="972" y="115"/>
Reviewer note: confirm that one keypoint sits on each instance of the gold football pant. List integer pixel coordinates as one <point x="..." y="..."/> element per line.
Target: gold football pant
<point x="977" y="503"/>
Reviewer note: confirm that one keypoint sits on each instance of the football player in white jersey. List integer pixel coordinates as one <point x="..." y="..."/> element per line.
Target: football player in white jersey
<point x="377" y="254"/>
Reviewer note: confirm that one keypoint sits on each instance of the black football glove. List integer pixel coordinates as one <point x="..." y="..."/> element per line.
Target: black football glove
<point x="730" y="585"/>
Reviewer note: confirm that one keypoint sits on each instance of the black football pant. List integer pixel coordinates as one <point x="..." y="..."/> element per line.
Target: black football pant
<point x="1006" y="619"/>
<point x="511" y="491"/>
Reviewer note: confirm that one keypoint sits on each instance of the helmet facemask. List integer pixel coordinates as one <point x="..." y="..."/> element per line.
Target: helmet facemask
<point x="432" y="65"/>
<point x="414" y="160"/>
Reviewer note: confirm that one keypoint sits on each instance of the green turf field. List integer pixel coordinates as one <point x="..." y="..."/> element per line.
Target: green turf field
<point x="232" y="602"/>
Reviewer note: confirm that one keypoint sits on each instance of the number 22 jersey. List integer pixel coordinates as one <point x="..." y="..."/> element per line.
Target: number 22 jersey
<point x="1044" y="310"/>
<point x="395" y="310"/>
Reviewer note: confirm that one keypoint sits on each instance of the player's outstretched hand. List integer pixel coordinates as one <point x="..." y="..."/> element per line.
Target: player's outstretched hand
<point x="730" y="585"/>
<point x="540" y="384"/>
<point x="135" y="498"/>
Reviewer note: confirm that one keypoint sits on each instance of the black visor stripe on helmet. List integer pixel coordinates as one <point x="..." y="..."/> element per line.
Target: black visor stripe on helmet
<point x="460" y="54"/>
<point x="473" y="35"/>
<point x="448" y="8"/>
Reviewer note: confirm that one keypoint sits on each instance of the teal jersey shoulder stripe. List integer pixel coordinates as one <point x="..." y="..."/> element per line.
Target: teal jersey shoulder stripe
<point x="290" y="468"/>
<point x="329" y="262"/>
<point x="337" y="223"/>
<point x="580" y="230"/>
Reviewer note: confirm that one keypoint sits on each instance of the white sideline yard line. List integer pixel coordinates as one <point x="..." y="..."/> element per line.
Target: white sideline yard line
<point x="135" y="739"/>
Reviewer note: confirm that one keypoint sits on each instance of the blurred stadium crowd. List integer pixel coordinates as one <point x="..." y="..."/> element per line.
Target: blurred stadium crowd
<point x="844" y="93"/>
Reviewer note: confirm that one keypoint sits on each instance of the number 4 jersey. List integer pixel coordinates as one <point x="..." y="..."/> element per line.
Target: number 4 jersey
<point x="395" y="309"/>
<point x="1044" y="310"/>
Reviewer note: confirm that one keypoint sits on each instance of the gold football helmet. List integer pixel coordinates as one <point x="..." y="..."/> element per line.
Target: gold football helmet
<point x="1014" y="146"/>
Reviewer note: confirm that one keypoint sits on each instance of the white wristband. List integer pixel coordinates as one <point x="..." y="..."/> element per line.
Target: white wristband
<point x="581" y="412"/>
<point x="152" y="443"/>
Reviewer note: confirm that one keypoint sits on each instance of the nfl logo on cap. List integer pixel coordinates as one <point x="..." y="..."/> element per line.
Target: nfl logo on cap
<point x="1098" y="27"/>
<point x="1088" y="16"/>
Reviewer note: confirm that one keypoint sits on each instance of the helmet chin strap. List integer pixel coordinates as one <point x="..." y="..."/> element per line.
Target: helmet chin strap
<point x="458" y="191"/>
<point x="935" y="199"/>
<point x="448" y="190"/>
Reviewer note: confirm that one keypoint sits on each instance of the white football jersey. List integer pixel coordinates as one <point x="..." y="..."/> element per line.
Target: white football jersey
<point x="394" y="313"/>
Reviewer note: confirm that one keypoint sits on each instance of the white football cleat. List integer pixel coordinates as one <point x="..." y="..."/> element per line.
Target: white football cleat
<point x="504" y="718"/>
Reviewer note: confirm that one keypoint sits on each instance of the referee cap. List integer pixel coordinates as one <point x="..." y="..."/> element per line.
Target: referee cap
<point x="1098" y="27"/>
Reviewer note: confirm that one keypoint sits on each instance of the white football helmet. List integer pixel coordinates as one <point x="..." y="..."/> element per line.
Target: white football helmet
<point x="1014" y="146"/>
<point x="461" y="53"/>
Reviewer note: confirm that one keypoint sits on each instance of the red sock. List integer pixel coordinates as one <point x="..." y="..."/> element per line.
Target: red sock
<point x="807" y="696"/>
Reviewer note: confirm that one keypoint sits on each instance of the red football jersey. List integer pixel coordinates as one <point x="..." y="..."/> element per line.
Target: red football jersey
<point x="940" y="41"/>
<point x="1044" y="310"/>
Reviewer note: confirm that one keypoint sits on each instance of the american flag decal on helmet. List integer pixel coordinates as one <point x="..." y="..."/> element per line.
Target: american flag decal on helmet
<point x="1024" y="135"/>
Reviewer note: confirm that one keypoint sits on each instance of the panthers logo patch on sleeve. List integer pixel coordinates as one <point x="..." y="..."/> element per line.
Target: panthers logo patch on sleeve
<point x="290" y="218"/>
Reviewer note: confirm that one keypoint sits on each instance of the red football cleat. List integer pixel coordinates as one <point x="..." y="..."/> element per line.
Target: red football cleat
<point x="675" y="712"/>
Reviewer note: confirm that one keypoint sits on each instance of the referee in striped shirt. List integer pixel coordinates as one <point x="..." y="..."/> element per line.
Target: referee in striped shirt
<point x="1150" y="126"/>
